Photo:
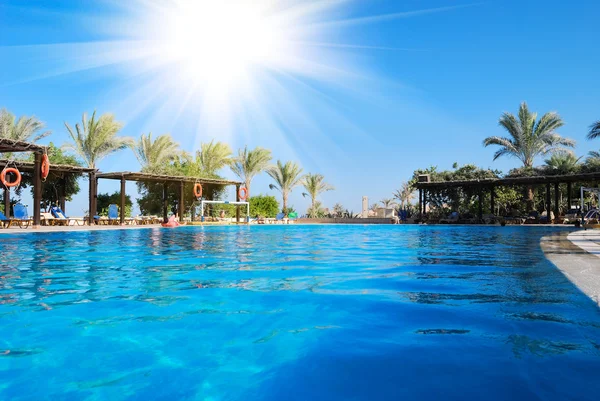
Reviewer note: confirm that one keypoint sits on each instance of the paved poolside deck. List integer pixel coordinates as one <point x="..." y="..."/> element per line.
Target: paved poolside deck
<point x="51" y="229"/>
<point x="577" y="256"/>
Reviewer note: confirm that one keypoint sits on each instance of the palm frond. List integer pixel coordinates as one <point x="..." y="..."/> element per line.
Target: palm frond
<point x="594" y="131"/>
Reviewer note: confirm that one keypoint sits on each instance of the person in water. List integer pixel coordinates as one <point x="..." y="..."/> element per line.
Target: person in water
<point x="172" y="222"/>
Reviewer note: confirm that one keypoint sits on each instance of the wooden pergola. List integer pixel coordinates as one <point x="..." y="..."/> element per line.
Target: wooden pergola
<point x="12" y="146"/>
<point x="58" y="170"/>
<point x="166" y="180"/>
<point x="492" y="183"/>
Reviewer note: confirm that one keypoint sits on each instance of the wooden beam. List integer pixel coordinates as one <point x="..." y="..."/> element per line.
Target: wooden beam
<point x="37" y="190"/>
<point x="123" y="200"/>
<point x="569" y="194"/>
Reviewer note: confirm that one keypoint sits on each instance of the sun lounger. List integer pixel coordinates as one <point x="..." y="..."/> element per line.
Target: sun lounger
<point x="113" y="214"/>
<point x="46" y="219"/>
<point x="71" y="221"/>
<point x="5" y="221"/>
<point x="20" y="215"/>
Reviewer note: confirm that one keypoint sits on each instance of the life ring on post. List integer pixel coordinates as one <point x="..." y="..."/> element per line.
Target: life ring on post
<point x="45" y="166"/>
<point x="8" y="184"/>
<point x="197" y="190"/>
<point x="243" y="193"/>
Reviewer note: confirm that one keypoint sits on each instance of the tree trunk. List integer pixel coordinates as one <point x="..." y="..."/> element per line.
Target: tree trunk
<point x="285" y="196"/>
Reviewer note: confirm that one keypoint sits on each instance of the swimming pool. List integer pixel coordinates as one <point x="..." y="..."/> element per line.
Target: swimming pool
<point x="293" y="313"/>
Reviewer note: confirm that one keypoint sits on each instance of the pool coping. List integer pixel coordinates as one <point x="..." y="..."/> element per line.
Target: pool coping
<point x="576" y="255"/>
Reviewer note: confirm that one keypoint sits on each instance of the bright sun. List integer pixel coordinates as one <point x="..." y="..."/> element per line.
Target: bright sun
<point x="218" y="42"/>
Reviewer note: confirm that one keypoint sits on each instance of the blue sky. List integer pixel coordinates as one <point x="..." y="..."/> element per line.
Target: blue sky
<point x="374" y="90"/>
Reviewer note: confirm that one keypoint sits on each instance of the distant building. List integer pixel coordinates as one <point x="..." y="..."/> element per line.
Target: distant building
<point x="365" y="207"/>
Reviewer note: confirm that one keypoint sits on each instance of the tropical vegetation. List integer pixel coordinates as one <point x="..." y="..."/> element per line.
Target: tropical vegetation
<point x="287" y="176"/>
<point x="529" y="138"/>
<point x="95" y="138"/>
<point x="249" y="163"/>
<point x="315" y="185"/>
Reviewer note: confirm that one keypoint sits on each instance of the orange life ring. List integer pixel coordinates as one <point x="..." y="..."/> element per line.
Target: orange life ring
<point x="15" y="183"/>
<point x="243" y="193"/>
<point x="45" y="166"/>
<point x="197" y="190"/>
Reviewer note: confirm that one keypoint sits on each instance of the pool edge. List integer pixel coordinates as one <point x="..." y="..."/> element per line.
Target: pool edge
<point x="575" y="260"/>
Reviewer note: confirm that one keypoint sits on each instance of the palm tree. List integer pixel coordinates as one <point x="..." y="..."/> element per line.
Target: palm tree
<point x="286" y="176"/>
<point x="338" y="210"/>
<point x="593" y="157"/>
<point x="25" y="129"/>
<point x="95" y="138"/>
<point x="529" y="139"/>
<point x="387" y="203"/>
<point x="152" y="154"/>
<point x="594" y="130"/>
<point x="404" y="194"/>
<point x="563" y="162"/>
<point x="250" y="163"/>
<point x="213" y="156"/>
<point x="315" y="185"/>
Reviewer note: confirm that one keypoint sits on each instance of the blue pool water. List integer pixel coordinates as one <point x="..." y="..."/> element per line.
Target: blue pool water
<point x="293" y="313"/>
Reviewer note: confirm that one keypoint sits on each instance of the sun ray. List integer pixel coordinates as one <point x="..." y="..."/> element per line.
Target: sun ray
<point x="232" y="67"/>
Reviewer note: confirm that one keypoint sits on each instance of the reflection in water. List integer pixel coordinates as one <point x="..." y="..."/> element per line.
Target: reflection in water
<point x="292" y="312"/>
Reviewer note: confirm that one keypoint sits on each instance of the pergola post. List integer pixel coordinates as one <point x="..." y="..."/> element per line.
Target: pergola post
<point x="493" y="200"/>
<point x="181" y="197"/>
<point x="548" y="204"/>
<point x="95" y="194"/>
<point x="122" y="200"/>
<point x="237" y="207"/>
<point x="424" y="201"/>
<point x="61" y="194"/>
<point x="91" y="207"/>
<point x="556" y="202"/>
<point x="480" y="200"/>
<point x="37" y="190"/>
<point x="7" y="202"/>
<point x="569" y="194"/>
<point x="165" y="201"/>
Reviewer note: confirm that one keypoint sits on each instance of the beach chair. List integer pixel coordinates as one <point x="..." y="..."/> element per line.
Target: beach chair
<point x="46" y="219"/>
<point x="20" y="215"/>
<point x="292" y="217"/>
<point x="279" y="218"/>
<point x="113" y="214"/>
<point x="60" y="215"/>
<point x="5" y="222"/>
